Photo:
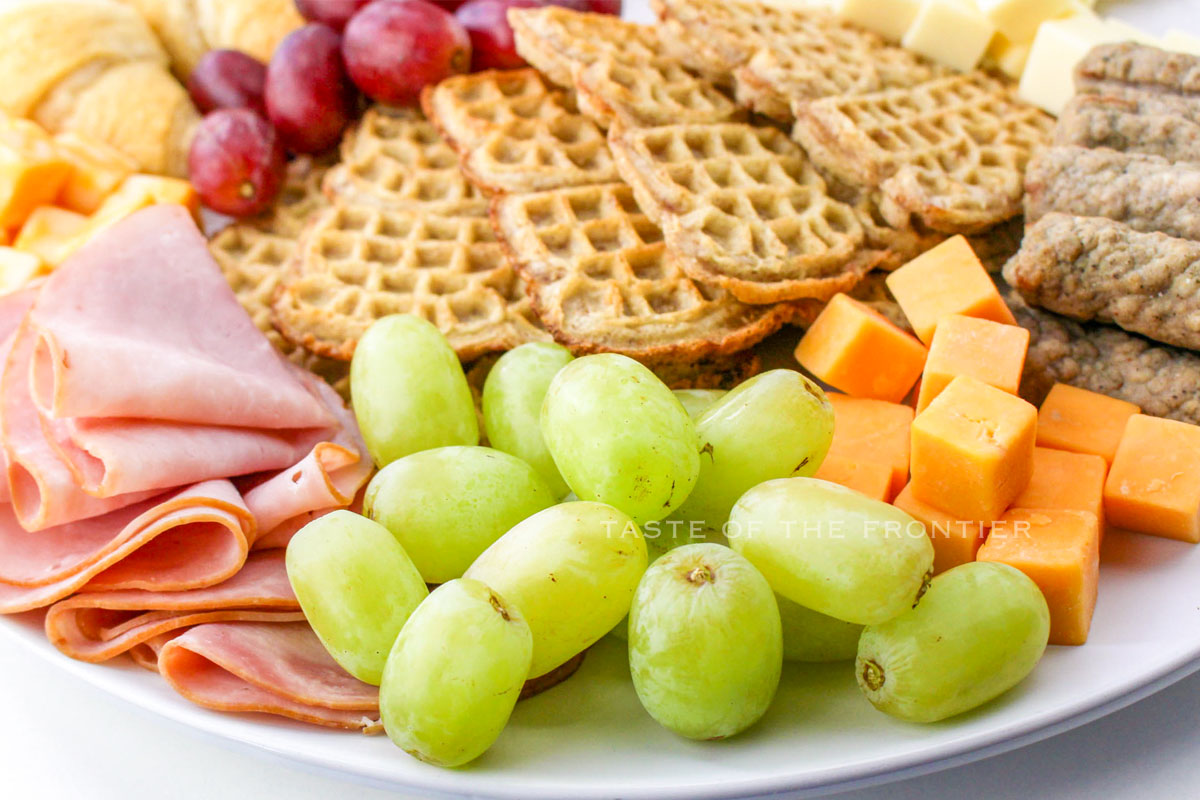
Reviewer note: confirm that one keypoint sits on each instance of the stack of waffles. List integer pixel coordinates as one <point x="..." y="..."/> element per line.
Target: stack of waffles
<point x="675" y="193"/>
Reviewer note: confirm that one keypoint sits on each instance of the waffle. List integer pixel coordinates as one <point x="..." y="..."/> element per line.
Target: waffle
<point x="602" y="280"/>
<point x="951" y="152"/>
<point x="515" y="134"/>
<point x="745" y="208"/>
<point x="622" y="70"/>
<point x="253" y="254"/>
<point x="395" y="158"/>
<point x="783" y="56"/>
<point x="358" y="262"/>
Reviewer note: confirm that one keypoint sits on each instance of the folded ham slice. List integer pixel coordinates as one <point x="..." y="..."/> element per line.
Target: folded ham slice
<point x="271" y="668"/>
<point x="141" y="323"/>
<point x="196" y="538"/>
<point x="97" y="626"/>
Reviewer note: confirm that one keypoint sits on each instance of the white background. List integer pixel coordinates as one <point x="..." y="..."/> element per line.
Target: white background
<point x="62" y="739"/>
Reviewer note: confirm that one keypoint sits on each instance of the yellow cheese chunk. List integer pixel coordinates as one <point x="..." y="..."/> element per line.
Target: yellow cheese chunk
<point x="50" y="233"/>
<point x="96" y="171"/>
<point x="18" y="268"/>
<point x="891" y="19"/>
<point x="1124" y="32"/>
<point x="1009" y="57"/>
<point x="1018" y="20"/>
<point x="1049" y="78"/>
<point x="1181" y="42"/>
<point x="951" y="32"/>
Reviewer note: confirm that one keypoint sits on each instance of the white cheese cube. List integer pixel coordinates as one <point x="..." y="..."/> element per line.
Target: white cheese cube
<point x="951" y="32"/>
<point x="889" y="18"/>
<point x="1182" y="42"/>
<point x="1124" y="32"/>
<point x="1049" y="78"/>
<point x="1018" y="20"/>
<point x="1007" y="56"/>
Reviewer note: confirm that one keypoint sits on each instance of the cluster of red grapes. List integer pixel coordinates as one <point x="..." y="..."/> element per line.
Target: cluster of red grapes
<point x="302" y="102"/>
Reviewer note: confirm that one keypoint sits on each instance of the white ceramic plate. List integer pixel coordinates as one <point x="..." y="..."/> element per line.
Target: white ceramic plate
<point x="589" y="738"/>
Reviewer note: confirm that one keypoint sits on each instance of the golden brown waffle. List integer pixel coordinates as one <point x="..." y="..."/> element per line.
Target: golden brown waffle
<point x="781" y="56"/>
<point x="398" y="159"/>
<point x="515" y="134"/>
<point x="358" y="262"/>
<point x="602" y="280"/>
<point x="745" y="208"/>
<point x="253" y="253"/>
<point x="621" y="70"/>
<point x="951" y="152"/>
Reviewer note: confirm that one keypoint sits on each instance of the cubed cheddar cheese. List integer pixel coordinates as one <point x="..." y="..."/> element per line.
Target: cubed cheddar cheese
<point x="1059" y="550"/>
<point x="1009" y="57"/>
<point x="1060" y="44"/>
<point x="18" y="268"/>
<point x="949" y="279"/>
<point x="955" y="541"/>
<point x="50" y="233"/>
<point x="1083" y="422"/>
<point x="31" y="170"/>
<point x="990" y="351"/>
<point x="891" y="19"/>
<point x="872" y="430"/>
<point x="951" y="32"/>
<point x="1153" y="485"/>
<point x="96" y="171"/>
<point x="1018" y="20"/>
<point x="972" y="450"/>
<point x="856" y="349"/>
<point x="870" y="478"/>
<point x="1072" y="481"/>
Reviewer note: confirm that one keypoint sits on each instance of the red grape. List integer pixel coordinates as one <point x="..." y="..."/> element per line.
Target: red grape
<point x="395" y="48"/>
<point x="237" y="162"/>
<point x="308" y="97"/>
<point x="228" y="79"/>
<point x="486" y="22"/>
<point x="604" y="7"/>
<point x="334" y="13"/>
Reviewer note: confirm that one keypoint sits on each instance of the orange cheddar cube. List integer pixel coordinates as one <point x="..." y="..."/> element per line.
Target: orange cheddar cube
<point x="990" y="351"/>
<point x="871" y="478"/>
<point x="955" y="541"/>
<point x="18" y="268"/>
<point x="96" y="171"/>
<point x="50" y="233"/>
<point x="1072" y="481"/>
<point x="1059" y="550"/>
<point x="949" y="279"/>
<point x="1082" y="421"/>
<point x="872" y="430"/>
<point x="1154" y="483"/>
<point x="856" y="349"/>
<point x="972" y="450"/>
<point x="31" y="170"/>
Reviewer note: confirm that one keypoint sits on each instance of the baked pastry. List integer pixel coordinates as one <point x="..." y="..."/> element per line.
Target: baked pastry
<point x="190" y="28"/>
<point x="96" y="68"/>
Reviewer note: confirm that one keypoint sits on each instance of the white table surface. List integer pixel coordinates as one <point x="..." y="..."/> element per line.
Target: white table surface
<point x="61" y="739"/>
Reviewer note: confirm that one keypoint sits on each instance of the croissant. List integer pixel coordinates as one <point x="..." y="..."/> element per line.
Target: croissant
<point x="190" y="28"/>
<point x="96" y="68"/>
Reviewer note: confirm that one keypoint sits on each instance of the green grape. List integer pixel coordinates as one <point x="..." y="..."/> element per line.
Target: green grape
<point x="572" y="570"/>
<point x="620" y="437"/>
<point x="697" y="401"/>
<point x="831" y="549"/>
<point x="447" y="505"/>
<point x="814" y="637"/>
<point x="408" y="390"/>
<point x="978" y="631"/>
<point x="455" y="673"/>
<point x="512" y="405"/>
<point x="774" y="425"/>
<point x="356" y="587"/>
<point x="705" y="645"/>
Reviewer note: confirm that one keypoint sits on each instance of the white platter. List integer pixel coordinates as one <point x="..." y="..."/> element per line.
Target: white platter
<point x="590" y="738"/>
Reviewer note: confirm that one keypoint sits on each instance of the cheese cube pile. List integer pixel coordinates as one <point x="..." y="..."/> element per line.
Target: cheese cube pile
<point x="58" y="192"/>
<point x="1036" y="42"/>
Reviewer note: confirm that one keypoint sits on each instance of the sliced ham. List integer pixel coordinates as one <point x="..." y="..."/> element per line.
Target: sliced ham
<point x="140" y="323"/>
<point x="13" y="308"/>
<point x="270" y="668"/>
<point x="97" y="626"/>
<point x="196" y="538"/>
